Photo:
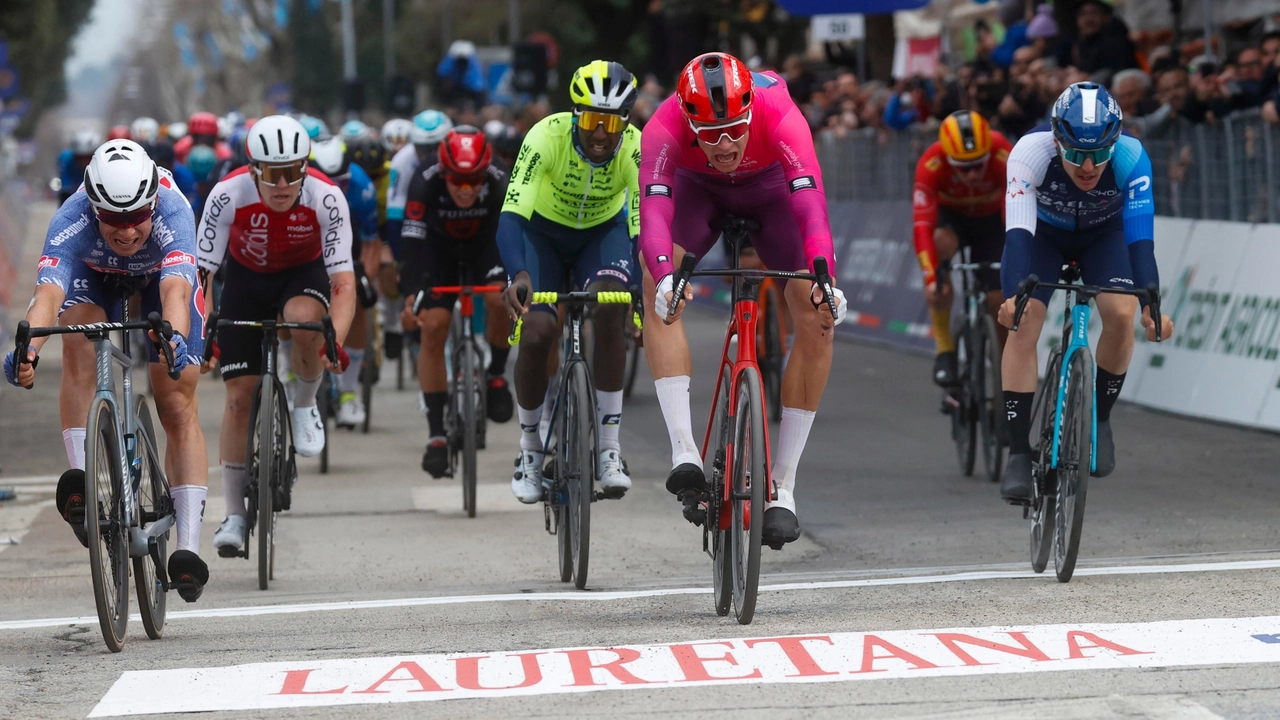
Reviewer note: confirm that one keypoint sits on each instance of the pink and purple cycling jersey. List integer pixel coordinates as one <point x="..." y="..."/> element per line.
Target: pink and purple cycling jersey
<point x="778" y="184"/>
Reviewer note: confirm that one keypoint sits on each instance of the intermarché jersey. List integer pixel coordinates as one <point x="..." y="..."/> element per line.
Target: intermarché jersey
<point x="780" y="134"/>
<point x="267" y="241"/>
<point x="938" y="185"/>
<point x="552" y="179"/>
<point x="74" y="239"/>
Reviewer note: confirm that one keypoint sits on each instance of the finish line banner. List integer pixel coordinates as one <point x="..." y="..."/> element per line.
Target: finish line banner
<point x="834" y="657"/>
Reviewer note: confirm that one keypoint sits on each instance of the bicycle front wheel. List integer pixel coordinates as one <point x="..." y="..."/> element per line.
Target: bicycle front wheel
<point x="154" y="505"/>
<point x="713" y="469"/>
<point x="325" y="404"/>
<point x="1044" y="495"/>
<point x="750" y="478"/>
<point x="468" y="367"/>
<point x="964" y="430"/>
<point x="772" y="359"/>
<point x="987" y="381"/>
<point x="577" y="458"/>
<point x="1075" y="450"/>
<point x="104" y="518"/>
<point x="270" y="425"/>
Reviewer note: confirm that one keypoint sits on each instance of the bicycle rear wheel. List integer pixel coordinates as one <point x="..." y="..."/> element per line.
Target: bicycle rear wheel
<point x="986" y="381"/>
<point x="749" y="481"/>
<point x="270" y="425"/>
<point x="713" y="470"/>
<point x="154" y="505"/>
<point x="772" y="359"/>
<point x="1044" y="495"/>
<point x="576" y="466"/>
<point x="1074" y="460"/>
<point x="104" y="518"/>
<point x="468" y="367"/>
<point x="964" y="425"/>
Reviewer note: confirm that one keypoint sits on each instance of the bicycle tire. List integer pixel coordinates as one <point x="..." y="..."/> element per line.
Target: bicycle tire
<point x="1075" y="450"/>
<point x="749" y="475"/>
<point x="325" y="406"/>
<point x="467" y="399"/>
<point x="1044" y="498"/>
<point x="633" y="363"/>
<point x="771" y="361"/>
<point x="152" y="486"/>
<point x="266" y="431"/>
<point x="108" y="546"/>
<point x="557" y="495"/>
<point x="964" y="428"/>
<point x="990" y="411"/>
<point x="578" y="466"/>
<point x="721" y="553"/>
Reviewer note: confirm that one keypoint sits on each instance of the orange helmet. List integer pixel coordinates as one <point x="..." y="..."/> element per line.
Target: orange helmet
<point x="965" y="137"/>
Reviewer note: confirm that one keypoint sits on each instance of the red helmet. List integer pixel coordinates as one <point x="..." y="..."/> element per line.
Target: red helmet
<point x="203" y="123"/>
<point x="465" y="153"/>
<point x="120" y="132"/>
<point x="715" y="88"/>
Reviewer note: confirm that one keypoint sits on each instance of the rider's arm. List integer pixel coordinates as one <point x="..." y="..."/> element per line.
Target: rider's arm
<point x="1139" y="211"/>
<point x="335" y="217"/>
<point x="924" y="207"/>
<point x="178" y="269"/>
<point x="175" y="303"/>
<point x="43" y="311"/>
<point x="660" y="149"/>
<point x="522" y="194"/>
<point x="413" y="233"/>
<point x="1023" y="174"/>
<point x="794" y="145"/>
<point x="214" y="231"/>
<point x="71" y="236"/>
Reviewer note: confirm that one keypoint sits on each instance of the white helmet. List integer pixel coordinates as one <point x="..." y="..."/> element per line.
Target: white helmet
<point x="121" y="177"/>
<point x="330" y="157"/>
<point x="145" y="130"/>
<point x="278" y="139"/>
<point x="494" y="128"/>
<point x="462" y="48"/>
<point x="85" y="142"/>
<point x="177" y="130"/>
<point x="224" y="128"/>
<point x="430" y="127"/>
<point x="395" y="133"/>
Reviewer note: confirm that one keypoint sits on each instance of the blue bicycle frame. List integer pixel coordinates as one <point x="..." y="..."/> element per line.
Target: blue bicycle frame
<point x="1080" y="315"/>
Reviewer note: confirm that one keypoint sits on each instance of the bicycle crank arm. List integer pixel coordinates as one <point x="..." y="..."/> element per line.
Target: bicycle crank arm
<point x="156" y="529"/>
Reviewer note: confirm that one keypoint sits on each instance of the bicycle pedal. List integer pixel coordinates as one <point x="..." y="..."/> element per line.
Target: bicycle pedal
<point x="776" y="544"/>
<point x="695" y="513"/>
<point x="227" y="551"/>
<point x="611" y="494"/>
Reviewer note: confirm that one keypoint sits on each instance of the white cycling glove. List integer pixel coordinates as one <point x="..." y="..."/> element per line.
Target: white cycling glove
<point x="841" y="306"/>
<point x="660" y="306"/>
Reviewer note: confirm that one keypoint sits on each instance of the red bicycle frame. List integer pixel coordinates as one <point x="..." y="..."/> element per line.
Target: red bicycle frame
<point x="465" y="293"/>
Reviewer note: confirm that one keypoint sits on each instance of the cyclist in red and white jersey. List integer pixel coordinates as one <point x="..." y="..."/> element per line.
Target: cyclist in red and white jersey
<point x="284" y="232"/>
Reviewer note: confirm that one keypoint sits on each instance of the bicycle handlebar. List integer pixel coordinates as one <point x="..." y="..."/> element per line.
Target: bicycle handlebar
<point x="820" y="276"/>
<point x="1032" y="282"/>
<point x="324" y="327"/>
<point x="162" y="329"/>
<point x="451" y="290"/>
<point x="604" y="297"/>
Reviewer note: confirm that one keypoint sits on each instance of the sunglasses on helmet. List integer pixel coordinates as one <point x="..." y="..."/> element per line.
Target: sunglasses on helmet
<point x="464" y="181"/>
<point x="735" y="131"/>
<point x="969" y="167"/>
<point x="589" y="120"/>
<point x="125" y="220"/>
<point x="293" y="173"/>
<point x="1077" y="157"/>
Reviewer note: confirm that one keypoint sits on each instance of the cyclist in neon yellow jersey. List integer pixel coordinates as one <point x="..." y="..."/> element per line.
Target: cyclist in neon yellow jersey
<point x="566" y="207"/>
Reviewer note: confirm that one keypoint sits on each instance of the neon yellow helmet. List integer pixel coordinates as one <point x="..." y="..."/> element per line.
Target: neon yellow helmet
<point x="603" y="85"/>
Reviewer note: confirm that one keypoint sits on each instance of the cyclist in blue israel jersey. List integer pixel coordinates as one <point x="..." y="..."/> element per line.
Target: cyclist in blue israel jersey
<point x="331" y="157"/>
<point x="127" y="229"/>
<point x="1077" y="189"/>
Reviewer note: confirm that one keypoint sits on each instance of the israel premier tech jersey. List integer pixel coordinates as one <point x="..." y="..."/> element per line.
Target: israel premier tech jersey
<point x="1042" y="201"/>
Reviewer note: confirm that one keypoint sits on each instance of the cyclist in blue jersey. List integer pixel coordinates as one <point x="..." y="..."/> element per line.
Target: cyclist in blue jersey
<point x="1077" y="189"/>
<point x="331" y="158"/>
<point x="73" y="160"/>
<point x="126" y="230"/>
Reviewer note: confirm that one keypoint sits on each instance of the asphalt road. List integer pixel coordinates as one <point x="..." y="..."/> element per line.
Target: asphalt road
<point x="376" y="563"/>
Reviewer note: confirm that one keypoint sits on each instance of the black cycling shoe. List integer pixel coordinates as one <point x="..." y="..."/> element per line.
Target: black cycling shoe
<point x="70" y="502"/>
<point x="1015" y="484"/>
<point x="945" y="369"/>
<point x="435" y="461"/>
<point x="780" y="527"/>
<point x="686" y="476"/>
<point x="1105" y="451"/>
<point x="501" y="406"/>
<point x="188" y="574"/>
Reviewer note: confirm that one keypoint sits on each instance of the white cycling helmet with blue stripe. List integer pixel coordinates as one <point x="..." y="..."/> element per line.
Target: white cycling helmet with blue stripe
<point x="430" y="127"/>
<point x="1086" y="122"/>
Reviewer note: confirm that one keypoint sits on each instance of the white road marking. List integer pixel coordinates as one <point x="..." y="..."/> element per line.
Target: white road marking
<point x="816" y="657"/>
<point x="16" y="519"/>
<point x="589" y="596"/>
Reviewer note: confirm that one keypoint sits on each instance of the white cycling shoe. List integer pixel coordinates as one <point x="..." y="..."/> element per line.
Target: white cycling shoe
<point x="614" y="481"/>
<point x="229" y="540"/>
<point x="308" y="431"/>
<point x="526" y="484"/>
<point x="351" y="410"/>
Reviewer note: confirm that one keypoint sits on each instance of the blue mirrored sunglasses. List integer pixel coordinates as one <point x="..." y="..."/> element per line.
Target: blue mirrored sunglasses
<point x="1077" y="157"/>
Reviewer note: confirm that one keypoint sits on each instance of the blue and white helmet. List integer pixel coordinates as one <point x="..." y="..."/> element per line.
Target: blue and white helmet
<point x="430" y="127"/>
<point x="1086" y="117"/>
<point x="316" y="128"/>
<point x="354" y="131"/>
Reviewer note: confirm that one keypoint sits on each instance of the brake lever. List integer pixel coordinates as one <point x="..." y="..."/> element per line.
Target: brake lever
<point x="681" y="282"/>
<point x="522" y="294"/>
<point x="330" y="340"/>
<point x="164" y="332"/>
<point x="1023" y="296"/>
<point x="210" y="335"/>
<point x="820" y="270"/>
<point x="1153" y="303"/>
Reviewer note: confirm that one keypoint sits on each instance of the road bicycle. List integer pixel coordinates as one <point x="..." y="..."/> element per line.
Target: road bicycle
<point x="128" y="511"/>
<point x="735" y="450"/>
<point x="634" y="343"/>
<point x="572" y="440"/>
<point x="270" y="463"/>
<point x="371" y="371"/>
<point x="1065" y="423"/>
<point x="975" y="403"/>
<point x="465" y="420"/>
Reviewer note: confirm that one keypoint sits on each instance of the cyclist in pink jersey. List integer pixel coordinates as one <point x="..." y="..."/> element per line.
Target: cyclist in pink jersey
<point x="732" y="143"/>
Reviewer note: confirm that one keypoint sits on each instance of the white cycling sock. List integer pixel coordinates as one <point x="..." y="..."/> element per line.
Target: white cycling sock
<point x="792" y="436"/>
<point x="233" y="488"/>
<point x="349" y="381"/>
<point x="673" y="397"/>
<point x="609" y="412"/>
<point x="188" y="505"/>
<point x="529" y="422"/>
<point x="73" y="441"/>
<point x="305" y="396"/>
